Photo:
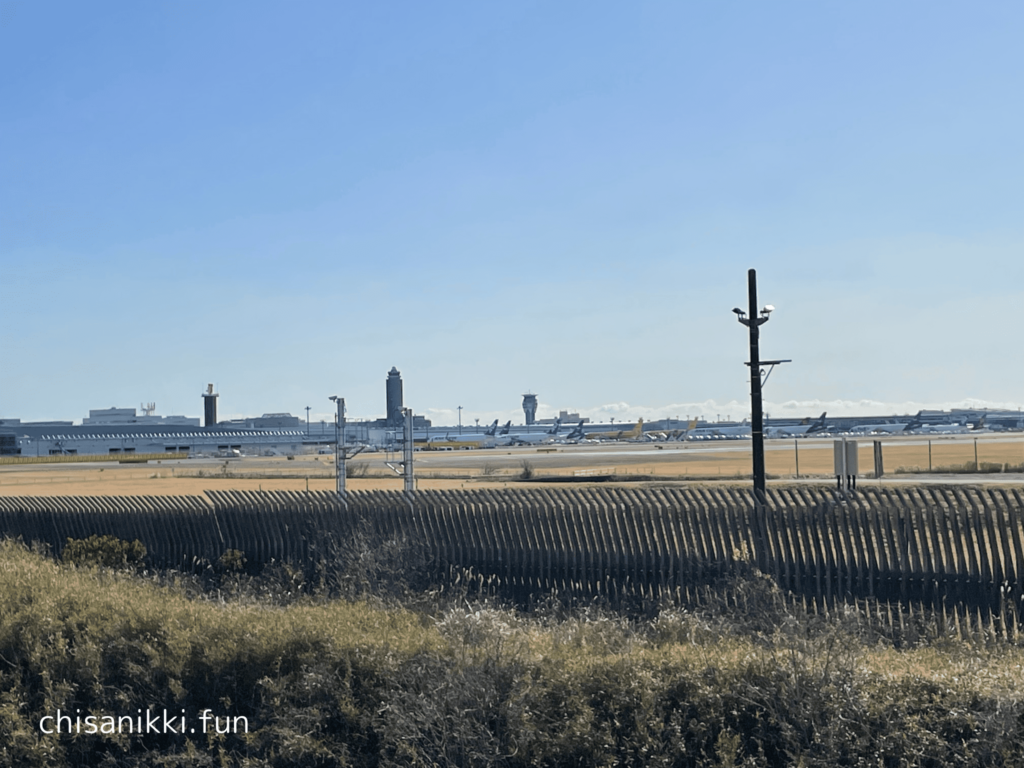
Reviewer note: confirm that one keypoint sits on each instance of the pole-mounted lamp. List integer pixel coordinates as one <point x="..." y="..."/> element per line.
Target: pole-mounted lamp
<point x="754" y="321"/>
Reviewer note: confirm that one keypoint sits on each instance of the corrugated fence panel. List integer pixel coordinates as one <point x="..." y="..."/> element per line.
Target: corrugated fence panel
<point x="934" y="546"/>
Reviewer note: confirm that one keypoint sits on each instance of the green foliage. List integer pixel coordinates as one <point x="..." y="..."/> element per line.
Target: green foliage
<point x="104" y="551"/>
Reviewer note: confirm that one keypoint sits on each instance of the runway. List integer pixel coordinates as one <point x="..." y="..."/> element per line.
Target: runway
<point x="906" y="460"/>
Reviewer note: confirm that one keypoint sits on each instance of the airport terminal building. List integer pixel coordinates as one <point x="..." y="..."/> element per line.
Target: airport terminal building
<point x="122" y="431"/>
<point x="125" y="431"/>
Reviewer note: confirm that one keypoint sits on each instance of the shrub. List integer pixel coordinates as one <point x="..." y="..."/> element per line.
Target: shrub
<point x="357" y="469"/>
<point x="104" y="551"/>
<point x="233" y="560"/>
<point x="367" y="563"/>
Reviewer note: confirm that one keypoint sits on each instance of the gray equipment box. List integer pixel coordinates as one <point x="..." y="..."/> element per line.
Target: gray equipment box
<point x="851" y="457"/>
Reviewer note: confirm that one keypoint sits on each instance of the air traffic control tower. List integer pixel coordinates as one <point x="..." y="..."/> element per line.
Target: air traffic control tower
<point x="210" y="407"/>
<point x="530" y="408"/>
<point x="394" y="397"/>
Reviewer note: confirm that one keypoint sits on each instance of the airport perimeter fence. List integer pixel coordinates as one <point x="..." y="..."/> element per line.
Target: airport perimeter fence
<point x="126" y="457"/>
<point x="948" y="550"/>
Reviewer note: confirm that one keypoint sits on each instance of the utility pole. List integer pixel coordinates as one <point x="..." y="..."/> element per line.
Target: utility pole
<point x="410" y="480"/>
<point x="341" y="451"/>
<point x="339" y="446"/>
<point x="754" y="322"/>
<point x="405" y="469"/>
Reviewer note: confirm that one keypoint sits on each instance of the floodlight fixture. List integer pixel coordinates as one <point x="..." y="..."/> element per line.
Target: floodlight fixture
<point x="756" y="410"/>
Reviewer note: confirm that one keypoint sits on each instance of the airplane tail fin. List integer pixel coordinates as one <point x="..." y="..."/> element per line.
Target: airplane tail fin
<point x="492" y="429"/>
<point x="914" y="423"/>
<point x="819" y="423"/>
<point x="638" y="430"/>
<point x="507" y="428"/>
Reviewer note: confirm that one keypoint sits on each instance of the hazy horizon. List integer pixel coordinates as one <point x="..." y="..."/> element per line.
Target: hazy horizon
<point x="709" y="410"/>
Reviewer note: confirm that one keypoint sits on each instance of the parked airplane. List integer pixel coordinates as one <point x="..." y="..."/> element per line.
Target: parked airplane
<point x="888" y="428"/>
<point x="531" y="438"/>
<point x="467" y="440"/>
<point x="661" y="435"/>
<point x="806" y="427"/>
<point x="468" y="436"/>
<point x="679" y="434"/>
<point x="917" y="427"/>
<point x="952" y="429"/>
<point x="736" y="432"/>
<point x="942" y="429"/>
<point x="636" y="433"/>
<point x="576" y="434"/>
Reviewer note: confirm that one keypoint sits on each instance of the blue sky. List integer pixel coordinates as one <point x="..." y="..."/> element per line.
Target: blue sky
<point x="288" y="199"/>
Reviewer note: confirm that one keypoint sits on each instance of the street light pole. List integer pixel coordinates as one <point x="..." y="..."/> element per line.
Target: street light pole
<point x="460" y="419"/>
<point x="307" y="421"/>
<point x="339" y="446"/>
<point x="754" y="322"/>
<point x="406" y="468"/>
<point x="756" y="415"/>
<point x="407" y="449"/>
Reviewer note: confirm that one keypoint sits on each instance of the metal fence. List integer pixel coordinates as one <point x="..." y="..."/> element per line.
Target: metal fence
<point x="937" y="546"/>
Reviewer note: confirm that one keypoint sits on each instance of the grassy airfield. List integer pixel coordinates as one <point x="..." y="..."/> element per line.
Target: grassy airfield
<point x="727" y="461"/>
